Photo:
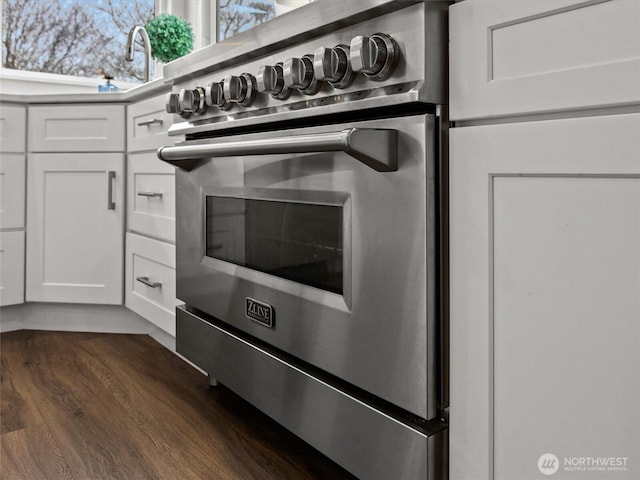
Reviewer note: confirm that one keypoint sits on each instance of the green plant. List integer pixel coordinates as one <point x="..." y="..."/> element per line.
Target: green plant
<point x="171" y="37"/>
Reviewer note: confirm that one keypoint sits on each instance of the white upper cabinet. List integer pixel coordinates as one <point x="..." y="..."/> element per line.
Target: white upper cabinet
<point x="76" y="128"/>
<point x="517" y="57"/>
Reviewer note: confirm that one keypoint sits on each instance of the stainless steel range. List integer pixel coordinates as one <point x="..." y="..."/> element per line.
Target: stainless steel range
<point x="309" y="227"/>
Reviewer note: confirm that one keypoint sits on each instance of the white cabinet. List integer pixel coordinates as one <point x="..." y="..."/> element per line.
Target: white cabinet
<point x="11" y="268"/>
<point x="150" y="284"/>
<point x="545" y="239"/>
<point x="151" y="199"/>
<point x="147" y="124"/>
<point x="12" y="202"/>
<point x="545" y="296"/>
<point x="151" y="281"/>
<point x="13" y="126"/>
<point x="76" y="128"/>
<point x="515" y="57"/>
<point x="12" y="190"/>
<point x="75" y="225"/>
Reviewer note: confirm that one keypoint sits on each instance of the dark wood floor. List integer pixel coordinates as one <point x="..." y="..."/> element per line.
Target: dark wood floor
<point x="104" y="406"/>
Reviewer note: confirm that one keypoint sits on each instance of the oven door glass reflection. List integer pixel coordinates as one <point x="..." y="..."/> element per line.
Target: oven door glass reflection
<point x="296" y="241"/>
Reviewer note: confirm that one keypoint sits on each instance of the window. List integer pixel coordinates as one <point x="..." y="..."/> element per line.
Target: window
<point x="235" y="16"/>
<point x="73" y="37"/>
<point x="87" y="38"/>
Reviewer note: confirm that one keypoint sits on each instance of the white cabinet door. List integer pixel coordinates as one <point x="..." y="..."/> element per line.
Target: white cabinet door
<point x="13" y="128"/>
<point x="12" y="190"/>
<point x="75" y="227"/>
<point x="524" y="56"/>
<point x="11" y="268"/>
<point x="545" y="298"/>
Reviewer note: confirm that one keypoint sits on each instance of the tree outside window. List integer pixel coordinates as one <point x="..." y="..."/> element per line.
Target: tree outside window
<point x="73" y="37"/>
<point x="88" y="37"/>
<point x="235" y="16"/>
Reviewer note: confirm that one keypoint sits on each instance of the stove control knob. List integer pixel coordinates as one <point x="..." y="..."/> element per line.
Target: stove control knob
<point x="186" y="101"/>
<point x="192" y="101"/>
<point x="298" y="74"/>
<point x="332" y="65"/>
<point x="173" y="104"/>
<point x="270" y="79"/>
<point x="240" y="89"/>
<point x="375" y="56"/>
<point x="214" y="96"/>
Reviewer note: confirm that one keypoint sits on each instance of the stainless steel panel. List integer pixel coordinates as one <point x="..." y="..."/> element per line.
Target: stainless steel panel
<point x="420" y="75"/>
<point x="380" y="336"/>
<point x="373" y="147"/>
<point x="293" y="28"/>
<point x="362" y="439"/>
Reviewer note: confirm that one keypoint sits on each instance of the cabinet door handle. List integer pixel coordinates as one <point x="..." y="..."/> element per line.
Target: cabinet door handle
<point x="111" y="205"/>
<point x="148" y="283"/>
<point x="150" y="194"/>
<point x="149" y="122"/>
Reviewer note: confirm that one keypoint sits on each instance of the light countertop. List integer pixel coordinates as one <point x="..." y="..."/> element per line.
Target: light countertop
<point x="139" y="92"/>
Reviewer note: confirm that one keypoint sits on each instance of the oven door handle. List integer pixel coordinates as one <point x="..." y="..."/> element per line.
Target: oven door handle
<point x="376" y="148"/>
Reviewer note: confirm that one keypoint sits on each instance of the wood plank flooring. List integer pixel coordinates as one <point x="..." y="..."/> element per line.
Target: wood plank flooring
<point x="105" y="406"/>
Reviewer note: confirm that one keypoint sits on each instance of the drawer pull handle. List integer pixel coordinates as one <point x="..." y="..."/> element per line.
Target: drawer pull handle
<point x="111" y="176"/>
<point x="145" y="280"/>
<point x="149" y="122"/>
<point x="150" y="194"/>
<point x="217" y="246"/>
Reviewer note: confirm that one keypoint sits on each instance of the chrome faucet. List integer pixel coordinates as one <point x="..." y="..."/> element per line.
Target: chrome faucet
<point x="146" y="44"/>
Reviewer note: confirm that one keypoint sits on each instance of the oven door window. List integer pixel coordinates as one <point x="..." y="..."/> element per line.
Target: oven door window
<point x="296" y="241"/>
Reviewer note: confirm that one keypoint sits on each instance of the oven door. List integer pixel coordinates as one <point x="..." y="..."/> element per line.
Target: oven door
<point x="320" y="254"/>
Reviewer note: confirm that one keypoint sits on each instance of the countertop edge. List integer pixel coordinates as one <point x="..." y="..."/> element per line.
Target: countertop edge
<point x="134" y="94"/>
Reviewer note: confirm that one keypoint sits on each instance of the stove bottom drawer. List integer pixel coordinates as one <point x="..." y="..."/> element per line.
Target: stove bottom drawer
<point x="360" y="438"/>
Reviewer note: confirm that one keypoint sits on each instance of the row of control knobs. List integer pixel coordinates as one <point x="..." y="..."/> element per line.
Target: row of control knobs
<point x="374" y="56"/>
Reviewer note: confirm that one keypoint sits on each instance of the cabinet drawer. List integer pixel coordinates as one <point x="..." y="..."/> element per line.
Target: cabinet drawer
<point x="523" y="57"/>
<point x="11" y="268"/>
<point x="13" y="128"/>
<point x="78" y="128"/>
<point x="151" y="196"/>
<point x="12" y="190"/>
<point x="151" y="281"/>
<point x="147" y="124"/>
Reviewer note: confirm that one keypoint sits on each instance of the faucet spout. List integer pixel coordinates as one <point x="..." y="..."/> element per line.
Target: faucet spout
<point x="146" y="45"/>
